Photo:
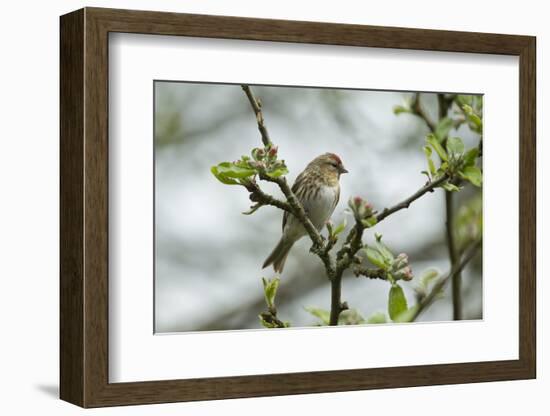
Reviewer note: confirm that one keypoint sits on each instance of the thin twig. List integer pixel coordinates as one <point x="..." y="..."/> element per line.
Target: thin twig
<point x="444" y="105"/>
<point x="271" y="318"/>
<point x="443" y="108"/>
<point x="257" y="107"/>
<point x="429" y="187"/>
<point x="453" y="256"/>
<point x="261" y="198"/>
<point x="418" y="110"/>
<point x="436" y="289"/>
<point x="359" y="270"/>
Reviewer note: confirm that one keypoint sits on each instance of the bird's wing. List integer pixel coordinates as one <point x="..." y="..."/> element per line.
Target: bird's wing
<point x="285" y="217"/>
<point x="336" y="199"/>
<point x="297" y="185"/>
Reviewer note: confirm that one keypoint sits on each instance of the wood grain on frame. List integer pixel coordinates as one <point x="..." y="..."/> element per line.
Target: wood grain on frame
<point x="84" y="207"/>
<point x="71" y="218"/>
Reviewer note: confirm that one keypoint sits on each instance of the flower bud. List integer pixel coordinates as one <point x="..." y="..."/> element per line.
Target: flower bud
<point x="272" y="154"/>
<point x="401" y="261"/>
<point x="354" y="203"/>
<point x="407" y="274"/>
<point x="368" y="210"/>
<point x="256" y="165"/>
<point x="258" y="153"/>
<point x="401" y="268"/>
<point x="361" y="211"/>
<point x="361" y="208"/>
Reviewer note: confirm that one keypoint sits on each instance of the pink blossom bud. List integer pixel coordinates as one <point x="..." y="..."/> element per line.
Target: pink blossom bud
<point x="355" y="203"/>
<point x="407" y="273"/>
<point x="367" y="209"/>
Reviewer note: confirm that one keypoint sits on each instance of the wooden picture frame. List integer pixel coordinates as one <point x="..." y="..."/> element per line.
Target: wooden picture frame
<point x="84" y="207"/>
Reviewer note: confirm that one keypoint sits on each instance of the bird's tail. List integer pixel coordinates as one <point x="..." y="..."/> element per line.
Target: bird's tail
<point x="278" y="255"/>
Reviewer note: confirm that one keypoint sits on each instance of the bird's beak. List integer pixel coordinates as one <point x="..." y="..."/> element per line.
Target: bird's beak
<point x="342" y="169"/>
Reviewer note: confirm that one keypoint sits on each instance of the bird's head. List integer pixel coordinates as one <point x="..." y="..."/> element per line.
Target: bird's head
<point x="330" y="164"/>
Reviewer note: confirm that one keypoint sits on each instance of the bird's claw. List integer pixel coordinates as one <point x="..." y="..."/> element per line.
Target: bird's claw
<point x="315" y="249"/>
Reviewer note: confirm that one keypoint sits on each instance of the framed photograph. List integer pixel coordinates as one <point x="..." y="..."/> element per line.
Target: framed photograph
<point x="255" y="207"/>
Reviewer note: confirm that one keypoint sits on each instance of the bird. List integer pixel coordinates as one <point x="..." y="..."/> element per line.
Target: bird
<point x="318" y="190"/>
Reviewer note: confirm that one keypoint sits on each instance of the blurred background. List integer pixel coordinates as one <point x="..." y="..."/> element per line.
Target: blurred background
<point x="208" y="255"/>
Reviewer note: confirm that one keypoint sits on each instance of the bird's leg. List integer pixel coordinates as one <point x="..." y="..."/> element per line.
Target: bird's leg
<point x="316" y="248"/>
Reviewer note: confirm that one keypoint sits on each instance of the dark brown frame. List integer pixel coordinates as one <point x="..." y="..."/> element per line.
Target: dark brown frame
<point x="84" y="209"/>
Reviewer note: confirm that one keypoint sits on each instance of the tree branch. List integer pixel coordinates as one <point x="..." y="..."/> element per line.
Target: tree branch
<point x="271" y="318"/>
<point x="344" y="258"/>
<point x="429" y="187"/>
<point x="456" y="269"/>
<point x="347" y="254"/>
<point x="419" y="111"/>
<point x="261" y="198"/>
<point x="293" y="205"/>
<point x="257" y="107"/>
<point x="444" y="105"/>
<point x="359" y="270"/>
<point x="443" y="108"/>
<point x="453" y="256"/>
<point x="298" y="211"/>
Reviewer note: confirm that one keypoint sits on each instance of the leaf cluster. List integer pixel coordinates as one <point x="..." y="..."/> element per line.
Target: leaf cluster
<point x="269" y="319"/>
<point x="263" y="161"/>
<point x="455" y="162"/>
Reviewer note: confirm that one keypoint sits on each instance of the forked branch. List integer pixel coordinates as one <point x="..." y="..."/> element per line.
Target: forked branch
<point x="346" y="256"/>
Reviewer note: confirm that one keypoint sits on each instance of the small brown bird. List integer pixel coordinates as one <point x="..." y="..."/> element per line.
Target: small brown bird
<point x="318" y="190"/>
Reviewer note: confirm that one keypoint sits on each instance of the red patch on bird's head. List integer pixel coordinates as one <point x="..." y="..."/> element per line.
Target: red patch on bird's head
<point x="335" y="157"/>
